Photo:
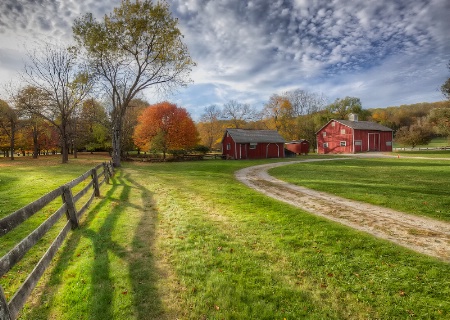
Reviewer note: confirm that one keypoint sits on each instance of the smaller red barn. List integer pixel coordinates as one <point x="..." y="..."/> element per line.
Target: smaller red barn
<point x="298" y="146"/>
<point x="353" y="136"/>
<point x="252" y="144"/>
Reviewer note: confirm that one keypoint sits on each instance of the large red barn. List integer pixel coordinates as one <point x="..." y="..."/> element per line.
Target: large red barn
<point x="252" y="144"/>
<point x="353" y="136"/>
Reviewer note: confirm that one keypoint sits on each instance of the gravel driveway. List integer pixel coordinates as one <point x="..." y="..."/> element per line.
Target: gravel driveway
<point x="424" y="235"/>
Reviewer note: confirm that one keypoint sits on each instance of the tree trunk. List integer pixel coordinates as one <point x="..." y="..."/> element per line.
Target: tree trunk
<point x="35" y="143"/>
<point x="13" y="129"/>
<point x="116" y="146"/>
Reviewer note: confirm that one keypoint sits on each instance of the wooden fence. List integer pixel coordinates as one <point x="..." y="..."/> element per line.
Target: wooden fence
<point x="99" y="175"/>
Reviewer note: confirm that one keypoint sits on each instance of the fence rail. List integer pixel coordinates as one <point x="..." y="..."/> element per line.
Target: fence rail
<point x="421" y="148"/>
<point x="10" y="310"/>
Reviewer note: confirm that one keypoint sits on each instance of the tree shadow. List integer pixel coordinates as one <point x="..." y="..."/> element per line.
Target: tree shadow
<point x="139" y="258"/>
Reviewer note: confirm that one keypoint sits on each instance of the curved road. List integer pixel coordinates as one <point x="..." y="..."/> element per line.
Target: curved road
<point x="424" y="235"/>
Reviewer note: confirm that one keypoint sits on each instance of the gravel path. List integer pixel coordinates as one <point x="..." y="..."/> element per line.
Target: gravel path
<point x="424" y="235"/>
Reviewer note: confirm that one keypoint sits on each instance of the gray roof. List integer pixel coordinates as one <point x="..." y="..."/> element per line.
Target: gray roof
<point x="255" y="136"/>
<point x="364" y="125"/>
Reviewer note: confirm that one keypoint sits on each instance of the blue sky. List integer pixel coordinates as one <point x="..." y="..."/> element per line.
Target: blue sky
<point x="384" y="52"/>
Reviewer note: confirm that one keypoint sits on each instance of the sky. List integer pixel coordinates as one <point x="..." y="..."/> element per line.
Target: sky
<point x="385" y="52"/>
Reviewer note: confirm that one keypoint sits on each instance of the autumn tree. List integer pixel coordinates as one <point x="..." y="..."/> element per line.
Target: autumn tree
<point x="165" y="127"/>
<point x="130" y="121"/>
<point x="56" y="76"/>
<point x="237" y="113"/>
<point x="210" y="128"/>
<point x="136" y="47"/>
<point x="9" y="124"/>
<point x="278" y="114"/>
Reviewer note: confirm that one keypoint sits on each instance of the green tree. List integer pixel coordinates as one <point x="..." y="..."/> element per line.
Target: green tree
<point x="445" y="88"/>
<point x="341" y="108"/>
<point x="135" y="47"/>
<point x="414" y="135"/>
<point x="439" y="119"/>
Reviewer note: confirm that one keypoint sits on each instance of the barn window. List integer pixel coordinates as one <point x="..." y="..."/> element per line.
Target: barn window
<point x="253" y="145"/>
<point x="228" y="146"/>
<point x="342" y="131"/>
<point x="324" y="134"/>
<point x="343" y="143"/>
<point x="358" y="142"/>
<point x="388" y="143"/>
<point x="325" y="145"/>
<point x="333" y="124"/>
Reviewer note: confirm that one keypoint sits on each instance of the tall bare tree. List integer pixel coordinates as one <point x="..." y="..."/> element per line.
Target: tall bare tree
<point x="237" y="113"/>
<point x="56" y="74"/>
<point x="136" y="47"/>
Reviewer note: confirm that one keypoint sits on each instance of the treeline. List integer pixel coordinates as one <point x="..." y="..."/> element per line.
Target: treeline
<point x="300" y="114"/>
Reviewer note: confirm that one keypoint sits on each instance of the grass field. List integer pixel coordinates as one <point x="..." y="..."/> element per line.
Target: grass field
<point x="186" y="241"/>
<point x="416" y="186"/>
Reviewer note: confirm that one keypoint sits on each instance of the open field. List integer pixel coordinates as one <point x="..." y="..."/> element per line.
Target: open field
<point x="416" y="186"/>
<point x="187" y="241"/>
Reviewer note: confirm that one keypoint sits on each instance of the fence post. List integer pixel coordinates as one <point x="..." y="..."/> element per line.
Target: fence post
<point x="4" y="310"/>
<point x="106" y="171"/>
<point x="71" y="210"/>
<point x="95" y="179"/>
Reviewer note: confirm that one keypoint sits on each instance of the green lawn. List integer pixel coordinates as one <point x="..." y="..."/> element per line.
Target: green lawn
<point x="416" y="186"/>
<point x="187" y="241"/>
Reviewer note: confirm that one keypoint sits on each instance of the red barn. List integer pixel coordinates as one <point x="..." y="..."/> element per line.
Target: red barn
<point x="298" y="146"/>
<point x="252" y="144"/>
<point x="353" y="136"/>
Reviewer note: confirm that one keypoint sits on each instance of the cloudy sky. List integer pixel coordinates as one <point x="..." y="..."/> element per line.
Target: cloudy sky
<point x="385" y="52"/>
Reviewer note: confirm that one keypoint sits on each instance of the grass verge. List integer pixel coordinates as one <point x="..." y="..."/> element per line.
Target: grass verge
<point x="187" y="241"/>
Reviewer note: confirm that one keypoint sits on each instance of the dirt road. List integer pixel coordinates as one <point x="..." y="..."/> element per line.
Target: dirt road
<point x="424" y="235"/>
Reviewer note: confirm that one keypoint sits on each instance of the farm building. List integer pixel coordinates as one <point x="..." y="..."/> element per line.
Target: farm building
<point x="252" y="144"/>
<point x="298" y="146"/>
<point x="353" y="136"/>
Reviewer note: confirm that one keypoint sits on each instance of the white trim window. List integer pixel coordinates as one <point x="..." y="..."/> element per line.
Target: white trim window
<point x="358" y="142"/>
<point x="343" y="143"/>
<point x="325" y="145"/>
<point x="343" y="131"/>
<point x="228" y="146"/>
<point x="253" y="145"/>
<point x="388" y="143"/>
<point x="324" y="134"/>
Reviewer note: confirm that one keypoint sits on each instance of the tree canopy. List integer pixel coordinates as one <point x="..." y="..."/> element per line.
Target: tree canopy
<point x="165" y="127"/>
<point x="135" y="47"/>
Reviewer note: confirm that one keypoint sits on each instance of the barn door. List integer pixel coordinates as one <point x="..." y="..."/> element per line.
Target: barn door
<point x="374" y="142"/>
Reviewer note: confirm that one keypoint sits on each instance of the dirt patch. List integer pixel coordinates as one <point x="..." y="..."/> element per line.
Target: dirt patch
<point x="424" y="235"/>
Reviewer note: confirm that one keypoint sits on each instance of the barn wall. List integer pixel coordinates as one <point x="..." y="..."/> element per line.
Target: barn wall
<point x="333" y="137"/>
<point x="369" y="140"/>
<point x="243" y="151"/>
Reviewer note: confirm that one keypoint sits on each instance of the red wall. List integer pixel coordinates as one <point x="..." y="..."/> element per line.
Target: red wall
<point x="369" y="140"/>
<point x="243" y="151"/>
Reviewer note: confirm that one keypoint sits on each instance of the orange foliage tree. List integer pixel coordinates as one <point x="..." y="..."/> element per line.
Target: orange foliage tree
<point x="165" y="127"/>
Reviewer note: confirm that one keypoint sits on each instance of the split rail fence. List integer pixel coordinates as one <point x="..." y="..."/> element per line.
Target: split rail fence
<point x="99" y="175"/>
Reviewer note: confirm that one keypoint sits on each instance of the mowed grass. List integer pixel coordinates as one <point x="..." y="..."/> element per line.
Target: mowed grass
<point x="187" y="241"/>
<point x="416" y="186"/>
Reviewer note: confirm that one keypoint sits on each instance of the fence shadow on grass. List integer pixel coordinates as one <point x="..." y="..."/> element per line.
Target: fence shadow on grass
<point x="139" y="258"/>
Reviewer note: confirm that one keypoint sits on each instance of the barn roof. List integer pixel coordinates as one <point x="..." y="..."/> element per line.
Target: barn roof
<point x="255" y="136"/>
<point x="364" y="125"/>
<point x="360" y="125"/>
